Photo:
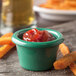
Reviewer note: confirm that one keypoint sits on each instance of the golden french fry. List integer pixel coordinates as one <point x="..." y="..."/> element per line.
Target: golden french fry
<point x="65" y="50"/>
<point x="60" y="4"/>
<point x="7" y="43"/>
<point x="5" y="49"/>
<point x="6" y="40"/>
<point x="73" y="68"/>
<point x="7" y="35"/>
<point x="65" y="61"/>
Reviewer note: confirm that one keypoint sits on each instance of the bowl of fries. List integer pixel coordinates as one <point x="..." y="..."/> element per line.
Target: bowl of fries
<point x="56" y="10"/>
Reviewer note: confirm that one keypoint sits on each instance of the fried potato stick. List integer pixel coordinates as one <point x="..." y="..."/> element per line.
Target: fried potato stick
<point x="73" y="68"/>
<point x="60" y="4"/>
<point x="65" y="50"/>
<point x="65" y="61"/>
<point x="7" y="43"/>
<point x="7" y="35"/>
<point x="6" y="40"/>
<point x="5" y="49"/>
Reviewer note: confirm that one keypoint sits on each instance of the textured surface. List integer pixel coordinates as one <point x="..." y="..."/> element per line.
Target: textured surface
<point x="9" y="65"/>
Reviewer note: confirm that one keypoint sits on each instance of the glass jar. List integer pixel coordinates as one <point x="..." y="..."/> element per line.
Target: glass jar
<point x="16" y="14"/>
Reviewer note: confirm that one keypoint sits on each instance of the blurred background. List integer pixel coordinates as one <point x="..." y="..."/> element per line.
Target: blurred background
<point x="18" y="14"/>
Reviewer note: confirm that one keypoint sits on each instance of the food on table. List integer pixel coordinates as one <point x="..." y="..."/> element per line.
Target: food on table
<point x="4" y="49"/>
<point x="65" y="61"/>
<point x="7" y="35"/>
<point x="6" y="40"/>
<point x="60" y="4"/>
<point x="73" y="68"/>
<point x="38" y="36"/>
<point x="65" y="50"/>
<point x="35" y="35"/>
<point x="41" y="54"/>
<point x="7" y="43"/>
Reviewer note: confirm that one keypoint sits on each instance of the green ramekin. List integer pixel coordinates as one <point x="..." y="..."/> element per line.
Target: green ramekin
<point x="37" y="56"/>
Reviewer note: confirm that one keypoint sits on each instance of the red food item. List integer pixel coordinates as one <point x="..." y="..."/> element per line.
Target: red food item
<point x="35" y="35"/>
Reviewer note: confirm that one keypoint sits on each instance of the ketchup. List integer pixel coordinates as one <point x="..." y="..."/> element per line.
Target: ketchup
<point x="35" y="35"/>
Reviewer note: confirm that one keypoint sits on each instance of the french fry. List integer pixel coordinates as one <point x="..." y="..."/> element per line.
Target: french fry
<point x="73" y="68"/>
<point x="60" y="4"/>
<point x="6" y="40"/>
<point x="7" y="43"/>
<point x="65" y="50"/>
<point x="65" y="61"/>
<point x="5" y="49"/>
<point x="7" y="35"/>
